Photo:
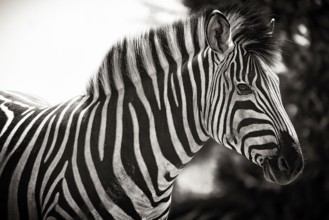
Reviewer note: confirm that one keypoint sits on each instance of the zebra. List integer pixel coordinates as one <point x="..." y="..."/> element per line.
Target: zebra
<point x="115" y="152"/>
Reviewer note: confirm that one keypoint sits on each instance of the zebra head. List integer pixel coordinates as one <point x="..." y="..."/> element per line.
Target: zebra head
<point x="245" y="111"/>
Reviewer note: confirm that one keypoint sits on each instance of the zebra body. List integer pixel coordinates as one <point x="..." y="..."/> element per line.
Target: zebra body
<point x="115" y="152"/>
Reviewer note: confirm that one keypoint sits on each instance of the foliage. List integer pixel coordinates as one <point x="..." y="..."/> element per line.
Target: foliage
<point x="304" y="28"/>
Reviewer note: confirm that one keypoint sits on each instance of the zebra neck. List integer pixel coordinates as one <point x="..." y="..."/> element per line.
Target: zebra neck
<point x="157" y="64"/>
<point x="154" y="74"/>
<point x="153" y="77"/>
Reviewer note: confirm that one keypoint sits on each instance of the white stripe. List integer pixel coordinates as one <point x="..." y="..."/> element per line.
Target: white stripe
<point x="104" y="77"/>
<point x="201" y="33"/>
<point x="102" y="130"/>
<point x="117" y="77"/>
<point x="211" y="71"/>
<point x="242" y="68"/>
<point x="10" y="116"/>
<point x="173" y="89"/>
<point x="133" y="73"/>
<point x="94" y="81"/>
<point x="63" y="213"/>
<point x="27" y="110"/>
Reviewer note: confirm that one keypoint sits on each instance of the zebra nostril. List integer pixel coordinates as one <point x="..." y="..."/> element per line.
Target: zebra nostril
<point x="283" y="164"/>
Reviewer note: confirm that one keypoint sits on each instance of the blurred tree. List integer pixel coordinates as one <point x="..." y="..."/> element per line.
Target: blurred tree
<point x="304" y="28"/>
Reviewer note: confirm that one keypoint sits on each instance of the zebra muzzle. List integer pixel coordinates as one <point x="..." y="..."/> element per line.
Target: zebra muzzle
<point x="286" y="166"/>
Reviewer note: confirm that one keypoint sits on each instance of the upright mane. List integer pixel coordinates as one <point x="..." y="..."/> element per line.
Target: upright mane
<point x="249" y="27"/>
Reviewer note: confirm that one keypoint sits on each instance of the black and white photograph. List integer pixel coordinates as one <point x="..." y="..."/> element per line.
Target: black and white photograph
<point x="176" y="109"/>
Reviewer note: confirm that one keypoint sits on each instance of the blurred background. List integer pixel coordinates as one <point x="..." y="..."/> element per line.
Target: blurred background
<point x="51" y="47"/>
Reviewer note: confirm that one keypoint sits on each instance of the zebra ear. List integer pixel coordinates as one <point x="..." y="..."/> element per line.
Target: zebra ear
<point x="218" y="32"/>
<point x="271" y="24"/>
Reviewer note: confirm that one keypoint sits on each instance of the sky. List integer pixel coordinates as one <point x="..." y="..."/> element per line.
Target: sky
<point x="50" y="48"/>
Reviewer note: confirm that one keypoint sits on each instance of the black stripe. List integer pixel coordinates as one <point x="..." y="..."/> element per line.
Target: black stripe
<point x="250" y="121"/>
<point x="240" y="105"/>
<point x="267" y="146"/>
<point x="254" y="134"/>
<point x="105" y="169"/>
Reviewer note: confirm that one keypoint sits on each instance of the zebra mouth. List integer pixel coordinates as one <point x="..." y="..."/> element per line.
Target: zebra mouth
<point x="278" y="171"/>
<point x="268" y="172"/>
<point x="274" y="175"/>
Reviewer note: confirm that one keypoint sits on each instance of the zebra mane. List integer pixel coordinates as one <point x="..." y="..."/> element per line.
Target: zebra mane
<point x="249" y="27"/>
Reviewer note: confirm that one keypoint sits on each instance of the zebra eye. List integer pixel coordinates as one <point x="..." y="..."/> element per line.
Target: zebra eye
<point x="243" y="89"/>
